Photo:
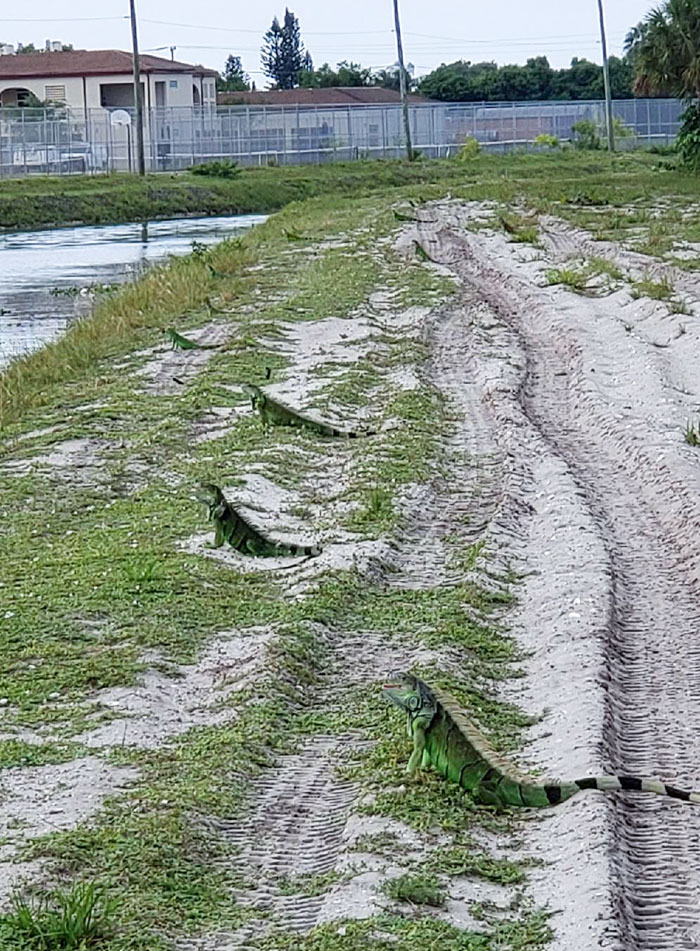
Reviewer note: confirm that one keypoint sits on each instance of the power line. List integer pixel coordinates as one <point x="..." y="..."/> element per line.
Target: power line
<point x="58" y="19"/>
<point x="228" y="29"/>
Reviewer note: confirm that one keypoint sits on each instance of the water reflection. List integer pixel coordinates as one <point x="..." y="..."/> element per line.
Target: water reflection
<point x="35" y="263"/>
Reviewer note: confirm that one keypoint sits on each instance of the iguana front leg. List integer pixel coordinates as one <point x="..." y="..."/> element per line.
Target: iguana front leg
<point x="218" y="536"/>
<point x="418" y="749"/>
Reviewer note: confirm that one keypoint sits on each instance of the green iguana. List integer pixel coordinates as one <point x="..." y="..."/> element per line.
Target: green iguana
<point x="213" y="309"/>
<point x="421" y="252"/>
<point x="507" y="226"/>
<point x="443" y="736"/>
<point x="274" y="413"/>
<point x="231" y="527"/>
<point x="214" y="273"/>
<point x="184" y="343"/>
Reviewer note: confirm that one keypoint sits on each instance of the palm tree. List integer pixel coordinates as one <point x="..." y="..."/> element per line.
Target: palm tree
<point x="665" y="50"/>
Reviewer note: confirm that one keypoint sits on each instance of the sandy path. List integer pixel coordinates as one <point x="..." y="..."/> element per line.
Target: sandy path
<point x="605" y="404"/>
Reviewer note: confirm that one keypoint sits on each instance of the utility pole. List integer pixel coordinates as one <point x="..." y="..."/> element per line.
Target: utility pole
<point x="402" y="83"/>
<point x="138" y="98"/>
<point x="606" y="80"/>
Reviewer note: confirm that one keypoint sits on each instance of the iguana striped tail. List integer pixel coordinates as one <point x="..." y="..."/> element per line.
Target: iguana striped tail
<point x="275" y="413"/>
<point x="632" y="783"/>
<point x="230" y="526"/>
<point x="444" y="737"/>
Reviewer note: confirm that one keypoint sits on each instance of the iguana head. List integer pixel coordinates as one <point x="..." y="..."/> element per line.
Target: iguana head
<point x="254" y="392"/>
<point x="209" y="494"/>
<point x="411" y="694"/>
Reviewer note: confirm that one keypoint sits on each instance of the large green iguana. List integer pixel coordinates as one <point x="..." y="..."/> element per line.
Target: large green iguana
<point x="443" y="736"/>
<point x="231" y="527"/>
<point x="274" y="413"/>
<point x="184" y="343"/>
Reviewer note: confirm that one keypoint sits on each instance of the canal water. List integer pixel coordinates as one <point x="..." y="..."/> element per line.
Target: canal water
<point x="46" y="276"/>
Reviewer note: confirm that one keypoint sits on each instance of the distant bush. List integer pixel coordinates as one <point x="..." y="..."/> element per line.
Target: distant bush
<point x="547" y="141"/>
<point x="222" y="168"/>
<point x="469" y="150"/>
<point x="589" y="134"/>
<point x="586" y="132"/>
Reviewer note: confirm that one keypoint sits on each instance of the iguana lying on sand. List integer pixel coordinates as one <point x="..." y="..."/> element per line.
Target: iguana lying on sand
<point x="444" y="736"/>
<point x="184" y="343"/>
<point x="274" y="413"/>
<point x="231" y="527"/>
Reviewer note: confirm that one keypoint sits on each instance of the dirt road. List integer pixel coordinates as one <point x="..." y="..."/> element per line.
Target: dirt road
<point x="603" y="389"/>
<point x="569" y="463"/>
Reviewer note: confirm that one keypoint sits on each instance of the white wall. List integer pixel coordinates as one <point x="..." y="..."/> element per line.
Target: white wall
<point x="77" y="98"/>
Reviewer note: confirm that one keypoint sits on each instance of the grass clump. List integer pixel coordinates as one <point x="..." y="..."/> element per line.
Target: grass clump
<point x="692" y="434"/>
<point x="581" y="277"/>
<point x="75" y="920"/>
<point x="656" y="290"/>
<point x="416" y="889"/>
<point x="520" y="230"/>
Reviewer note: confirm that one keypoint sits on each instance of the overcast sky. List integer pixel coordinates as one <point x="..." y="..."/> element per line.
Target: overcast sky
<point x="435" y="31"/>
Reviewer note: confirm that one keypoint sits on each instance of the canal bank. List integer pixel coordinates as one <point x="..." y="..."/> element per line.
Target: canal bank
<point x="50" y="278"/>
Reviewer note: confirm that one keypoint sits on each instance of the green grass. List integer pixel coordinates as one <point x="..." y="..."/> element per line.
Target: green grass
<point x="656" y="290"/>
<point x="416" y="889"/>
<point x="573" y="179"/>
<point x="579" y="277"/>
<point x="77" y="919"/>
<point x="692" y="433"/>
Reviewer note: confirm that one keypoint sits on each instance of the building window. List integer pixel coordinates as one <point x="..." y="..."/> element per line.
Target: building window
<point x="55" y="93"/>
<point x="173" y="83"/>
<point x="117" y="95"/>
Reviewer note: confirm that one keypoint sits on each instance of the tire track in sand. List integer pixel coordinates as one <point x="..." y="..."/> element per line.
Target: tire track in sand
<point x="644" y="497"/>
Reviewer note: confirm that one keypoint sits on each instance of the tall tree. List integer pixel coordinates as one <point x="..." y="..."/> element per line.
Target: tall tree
<point x="665" y="50"/>
<point x="536" y="80"/>
<point x="270" y="54"/>
<point x="235" y="79"/>
<point x="283" y="55"/>
<point x="391" y="78"/>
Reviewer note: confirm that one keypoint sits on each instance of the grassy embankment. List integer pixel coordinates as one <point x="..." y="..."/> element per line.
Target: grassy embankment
<point x="93" y="574"/>
<point x="45" y="201"/>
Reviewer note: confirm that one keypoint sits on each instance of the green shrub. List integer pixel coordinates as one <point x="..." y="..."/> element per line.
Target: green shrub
<point x="547" y="141"/>
<point x="221" y="168"/>
<point x="469" y="150"/>
<point x="586" y="132"/>
<point x="688" y="141"/>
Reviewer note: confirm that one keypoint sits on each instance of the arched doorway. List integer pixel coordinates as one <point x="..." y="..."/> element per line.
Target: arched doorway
<point x="16" y="96"/>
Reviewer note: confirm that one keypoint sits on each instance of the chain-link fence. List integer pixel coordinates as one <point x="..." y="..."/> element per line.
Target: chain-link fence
<point x="58" y="140"/>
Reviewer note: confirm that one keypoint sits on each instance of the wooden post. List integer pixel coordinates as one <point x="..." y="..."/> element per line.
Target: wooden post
<point x="606" y="81"/>
<point x="138" y="98"/>
<point x="402" y="83"/>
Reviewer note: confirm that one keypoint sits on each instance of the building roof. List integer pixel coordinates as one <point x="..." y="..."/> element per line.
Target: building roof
<point x="329" y="96"/>
<point x="88" y="63"/>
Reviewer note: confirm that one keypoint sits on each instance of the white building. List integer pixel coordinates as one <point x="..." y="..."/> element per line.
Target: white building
<point x="84" y="80"/>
